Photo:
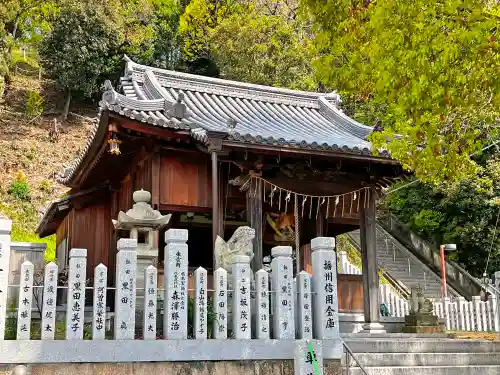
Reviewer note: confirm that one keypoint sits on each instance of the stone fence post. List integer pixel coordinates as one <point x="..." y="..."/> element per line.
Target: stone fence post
<point x="282" y="287"/>
<point x="324" y="287"/>
<point x="5" y="230"/>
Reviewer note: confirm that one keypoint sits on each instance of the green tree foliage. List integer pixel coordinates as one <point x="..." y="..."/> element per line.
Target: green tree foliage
<point x="465" y="214"/>
<point x="266" y="44"/>
<point x="426" y="69"/>
<point x="82" y="50"/>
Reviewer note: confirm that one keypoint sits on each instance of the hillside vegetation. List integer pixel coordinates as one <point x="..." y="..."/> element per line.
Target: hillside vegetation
<point x="31" y="155"/>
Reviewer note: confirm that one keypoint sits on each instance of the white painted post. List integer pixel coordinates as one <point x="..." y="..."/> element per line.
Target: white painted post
<point x="487" y="314"/>
<point x="402" y="307"/>
<point x="446" y="306"/>
<point x="49" y="302"/>
<point x="150" y="298"/>
<point x="5" y="229"/>
<point x="494" y="312"/>
<point x="176" y="270"/>
<point x="100" y="294"/>
<point x="241" y="273"/>
<point x="469" y="316"/>
<point x="284" y="314"/>
<point x="220" y="304"/>
<point x="200" y="304"/>
<point x="125" y="294"/>
<point x="305" y="362"/>
<point x="324" y="289"/>
<point x="343" y="262"/>
<point x="476" y="300"/>
<point x="453" y="320"/>
<point x="262" y="303"/>
<point x="484" y="320"/>
<point x="461" y="313"/>
<point x="304" y="305"/>
<point x="76" y="294"/>
<point x="25" y="301"/>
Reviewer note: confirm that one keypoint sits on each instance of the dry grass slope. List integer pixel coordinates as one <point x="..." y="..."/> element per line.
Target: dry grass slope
<point x="28" y="152"/>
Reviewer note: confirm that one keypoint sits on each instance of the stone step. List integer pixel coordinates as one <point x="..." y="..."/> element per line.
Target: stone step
<point x="428" y="359"/>
<point x="421" y="345"/>
<point x="429" y="370"/>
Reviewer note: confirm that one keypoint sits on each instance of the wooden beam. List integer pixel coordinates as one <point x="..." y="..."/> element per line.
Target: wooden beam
<point x="298" y="151"/>
<point x="151" y="130"/>
<point x="179" y="208"/>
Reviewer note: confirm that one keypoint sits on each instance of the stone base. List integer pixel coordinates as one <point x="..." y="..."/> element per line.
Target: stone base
<point x="422" y="329"/>
<point x="373" y="328"/>
<point x="421" y="320"/>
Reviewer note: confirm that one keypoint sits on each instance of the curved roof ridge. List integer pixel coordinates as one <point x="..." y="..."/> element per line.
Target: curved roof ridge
<point x="225" y="87"/>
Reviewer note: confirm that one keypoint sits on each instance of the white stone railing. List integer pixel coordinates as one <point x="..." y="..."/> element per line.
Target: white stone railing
<point x="396" y="305"/>
<point x="475" y="315"/>
<point x="262" y="320"/>
<point x="346" y="267"/>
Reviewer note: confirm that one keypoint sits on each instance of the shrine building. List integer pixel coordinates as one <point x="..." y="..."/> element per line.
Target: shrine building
<point x="218" y="155"/>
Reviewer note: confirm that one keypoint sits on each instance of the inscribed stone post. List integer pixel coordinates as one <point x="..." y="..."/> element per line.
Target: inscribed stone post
<point x="220" y="304"/>
<point x="304" y="305"/>
<point x="25" y="301"/>
<point x="308" y="357"/>
<point x="242" y="327"/>
<point x="100" y="292"/>
<point x="5" y="229"/>
<point x="476" y="301"/>
<point x="76" y="294"/>
<point x="282" y="285"/>
<point x="49" y="301"/>
<point x="149" y="311"/>
<point x="262" y="304"/>
<point x="200" y="305"/>
<point x="324" y="289"/>
<point x="494" y="312"/>
<point x="126" y="267"/>
<point x="176" y="271"/>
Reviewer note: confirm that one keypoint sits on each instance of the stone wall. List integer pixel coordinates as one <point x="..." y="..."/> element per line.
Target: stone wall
<point x="174" y="368"/>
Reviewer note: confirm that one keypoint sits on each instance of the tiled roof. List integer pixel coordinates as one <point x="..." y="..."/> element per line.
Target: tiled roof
<point x="247" y="113"/>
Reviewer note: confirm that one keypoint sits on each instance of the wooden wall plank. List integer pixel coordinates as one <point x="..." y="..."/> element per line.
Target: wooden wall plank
<point x="185" y="181"/>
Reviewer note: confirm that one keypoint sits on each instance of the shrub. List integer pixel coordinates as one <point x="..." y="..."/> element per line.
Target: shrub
<point x="19" y="189"/>
<point x="46" y="186"/>
<point x="34" y="104"/>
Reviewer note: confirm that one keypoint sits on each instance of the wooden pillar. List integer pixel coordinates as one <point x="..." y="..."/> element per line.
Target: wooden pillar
<point x="254" y="218"/>
<point x="370" y="266"/>
<point x="215" y="198"/>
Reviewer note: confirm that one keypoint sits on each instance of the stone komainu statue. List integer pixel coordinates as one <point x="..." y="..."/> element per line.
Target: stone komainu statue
<point x="241" y="243"/>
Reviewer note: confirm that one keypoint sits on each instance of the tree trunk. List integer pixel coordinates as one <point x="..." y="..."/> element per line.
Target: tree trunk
<point x="16" y="24"/>
<point x="66" y="104"/>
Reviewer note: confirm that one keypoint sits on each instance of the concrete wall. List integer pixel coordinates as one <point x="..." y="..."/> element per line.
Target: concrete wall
<point x="174" y="368"/>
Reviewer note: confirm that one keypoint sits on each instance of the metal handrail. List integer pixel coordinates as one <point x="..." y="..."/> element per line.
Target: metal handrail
<point x="356" y="360"/>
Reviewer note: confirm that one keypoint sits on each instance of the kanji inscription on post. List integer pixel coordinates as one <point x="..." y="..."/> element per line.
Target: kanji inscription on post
<point x="49" y="301"/>
<point x="262" y="304"/>
<point x="150" y="294"/>
<point x="126" y="268"/>
<point x="100" y="292"/>
<point x="282" y="279"/>
<point x="304" y="305"/>
<point x="220" y="304"/>
<point x="242" y="328"/>
<point x="308" y="359"/>
<point x="25" y="301"/>
<point x="200" y="308"/>
<point x="325" y="301"/>
<point x="76" y="294"/>
<point x="176" y="271"/>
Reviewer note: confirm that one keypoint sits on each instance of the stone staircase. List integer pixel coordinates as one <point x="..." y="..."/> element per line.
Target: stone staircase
<point x="401" y="265"/>
<point x="400" y="354"/>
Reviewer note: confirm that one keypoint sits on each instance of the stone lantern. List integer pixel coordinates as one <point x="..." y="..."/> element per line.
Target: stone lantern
<point x="141" y="222"/>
